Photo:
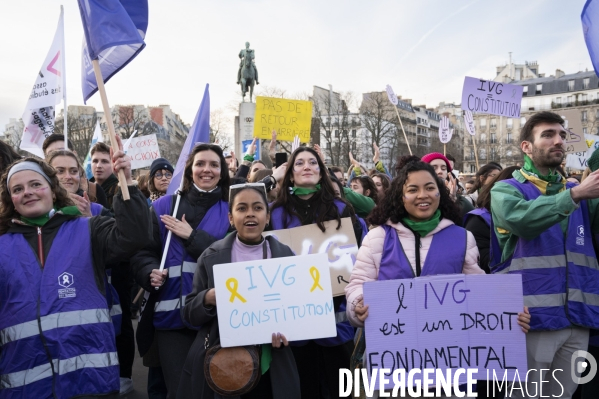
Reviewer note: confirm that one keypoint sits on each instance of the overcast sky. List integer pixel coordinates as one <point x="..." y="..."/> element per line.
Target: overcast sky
<point x="422" y="48"/>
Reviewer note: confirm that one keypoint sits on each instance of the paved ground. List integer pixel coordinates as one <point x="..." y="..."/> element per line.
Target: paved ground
<point x="140" y="376"/>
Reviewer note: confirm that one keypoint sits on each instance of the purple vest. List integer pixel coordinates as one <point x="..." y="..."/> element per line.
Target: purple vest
<point x="56" y="336"/>
<point x="181" y="267"/>
<point x="560" y="275"/>
<point x="494" y="248"/>
<point x="445" y="256"/>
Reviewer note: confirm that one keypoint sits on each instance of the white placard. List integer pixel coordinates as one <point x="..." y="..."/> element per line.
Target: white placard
<point x="143" y="151"/>
<point x="289" y="295"/>
<point x="391" y="95"/>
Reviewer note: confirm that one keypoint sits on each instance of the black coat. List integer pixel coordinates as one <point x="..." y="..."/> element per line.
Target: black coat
<point x="283" y="371"/>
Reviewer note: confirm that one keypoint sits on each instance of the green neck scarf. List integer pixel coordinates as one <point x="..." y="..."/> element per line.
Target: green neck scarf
<point x="529" y="167"/>
<point x="305" y="191"/>
<point x="424" y="227"/>
<point x="42" y="220"/>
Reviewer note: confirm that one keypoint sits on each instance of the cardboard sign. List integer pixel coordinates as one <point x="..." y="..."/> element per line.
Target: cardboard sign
<point x="289" y="118"/>
<point x="143" y="151"/>
<point x="489" y="97"/>
<point x="575" y="143"/>
<point x="578" y="160"/>
<point x="446" y="322"/>
<point x="289" y="295"/>
<point x="340" y="245"/>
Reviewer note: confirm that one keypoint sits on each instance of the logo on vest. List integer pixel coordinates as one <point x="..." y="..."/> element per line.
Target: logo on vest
<point x="580" y="232"/>
<point x="66" y="280"/>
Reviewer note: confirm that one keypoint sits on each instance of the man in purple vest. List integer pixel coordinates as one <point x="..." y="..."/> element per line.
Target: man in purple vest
<point x="545" y="229"/>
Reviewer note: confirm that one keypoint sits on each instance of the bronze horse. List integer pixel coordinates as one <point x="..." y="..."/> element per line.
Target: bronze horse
<point x="248" y="78"/>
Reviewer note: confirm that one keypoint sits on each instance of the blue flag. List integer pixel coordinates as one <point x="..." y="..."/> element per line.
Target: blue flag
<point x="114" y="35"/>
<point x="198" y="133"/>
<point x="590" y="29"/>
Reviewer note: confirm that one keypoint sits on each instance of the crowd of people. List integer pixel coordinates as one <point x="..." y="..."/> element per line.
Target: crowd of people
<point x="73" y="254"/>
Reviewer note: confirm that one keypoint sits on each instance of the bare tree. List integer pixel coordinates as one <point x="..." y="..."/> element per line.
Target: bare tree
<point x="80" y="131"/>
<point x="218" y="130"/>
<point x="379" y="120"/>
<point x="331" y="111"/>
<point x="128" y="119"/>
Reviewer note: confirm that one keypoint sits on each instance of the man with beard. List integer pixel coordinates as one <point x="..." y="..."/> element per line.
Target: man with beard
<point x="545" y="227"/>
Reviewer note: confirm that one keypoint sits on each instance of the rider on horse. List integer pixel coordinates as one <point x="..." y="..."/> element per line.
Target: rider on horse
<point x="247" y="52"/>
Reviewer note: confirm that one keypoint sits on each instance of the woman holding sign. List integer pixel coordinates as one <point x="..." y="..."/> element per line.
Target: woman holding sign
<point x="249" y="214"/>
<point x="201" y="219"/>
<point x="307" y="197"/>
<point x="57" y="336"/>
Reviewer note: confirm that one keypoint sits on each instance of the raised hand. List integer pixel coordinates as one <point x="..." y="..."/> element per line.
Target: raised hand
<point x="444" y="132"/>
<point x="377" y="153"/>
<point x="252" y="147"/>
<point x="296" y="144"/>
<point x="352" y="160"/>
<point x="469" y="119"/>
<point x="319" y="152"/>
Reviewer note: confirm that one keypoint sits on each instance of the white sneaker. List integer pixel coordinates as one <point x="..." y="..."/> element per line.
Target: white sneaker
<point x="126" y="386"/>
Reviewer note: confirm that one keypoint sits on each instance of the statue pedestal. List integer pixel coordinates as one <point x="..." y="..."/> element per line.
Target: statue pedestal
<point x="244" y="129"/>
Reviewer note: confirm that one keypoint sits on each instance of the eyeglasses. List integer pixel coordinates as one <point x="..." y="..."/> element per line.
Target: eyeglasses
<point x="160" y="175"/>
<point x="236" y="187"/>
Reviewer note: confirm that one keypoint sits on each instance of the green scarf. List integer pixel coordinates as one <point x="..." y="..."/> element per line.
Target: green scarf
<point x="424" y="227"/>
<point x="305" y="191"/>
<point x="529" y="167"/>
<point x="42" y="220"/>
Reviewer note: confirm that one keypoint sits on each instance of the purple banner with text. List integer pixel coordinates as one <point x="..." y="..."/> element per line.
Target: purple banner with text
<point x="489" y="97"/>
<point x="446" y="322"/>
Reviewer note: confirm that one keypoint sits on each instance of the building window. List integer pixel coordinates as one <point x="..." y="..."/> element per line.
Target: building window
<point x="584" y="130"/>
<point x="482" y="153"/>
<point x="569" y="100"/>
<point x="508" y="138"/>
<point x="353" y="133"/>
<point x="472" y="168"/>
<point x="558" y="100"/>
<point x="493" y="122"/>
<point x="336" y="133"/>
<point x="493" y="138"/>
<point x="525" y="90"/>
<point x="539" y="89"/>
<point x="570" y="85"/>
<point x="522" y="121"/>
<point x="584" y="116"/>
<point x="585" y="83"/>
<point x="510" y="123"/>
<point x="483" y="138"/>
<point x="584" y="98"/>
<point x="493" y="153"/>
<point x="353" y="146"/>
<point x="328" y="145"/>
<point x="472" y="154"/>
<point x="483" y="122"/>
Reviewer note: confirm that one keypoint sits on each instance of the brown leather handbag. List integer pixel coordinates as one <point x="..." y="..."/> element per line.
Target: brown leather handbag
<point x="232" y="371"/>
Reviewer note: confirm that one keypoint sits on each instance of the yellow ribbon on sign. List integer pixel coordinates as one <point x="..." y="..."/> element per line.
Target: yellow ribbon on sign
<point x="233" y="290"/>
<point x="316" y="277"/>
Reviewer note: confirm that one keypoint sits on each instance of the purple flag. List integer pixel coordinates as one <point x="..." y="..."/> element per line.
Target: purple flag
<point x="590" y="30"/>
<point x="114" y="35"/>
<point x="198" y="133"/>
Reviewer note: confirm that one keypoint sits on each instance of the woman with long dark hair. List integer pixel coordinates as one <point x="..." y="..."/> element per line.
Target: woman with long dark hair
<point x="307" y="197"/>
<point x="201" y="219"/>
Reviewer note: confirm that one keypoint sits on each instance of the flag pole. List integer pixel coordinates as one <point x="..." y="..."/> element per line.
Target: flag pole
<point x="167" y="244"/>
<point x="64" y="86"/>
<point x="111" y="131"/>
<point x="404" y="132"/>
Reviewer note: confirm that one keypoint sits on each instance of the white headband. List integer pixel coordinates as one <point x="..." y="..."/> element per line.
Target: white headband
<point x="27" y="165"/>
